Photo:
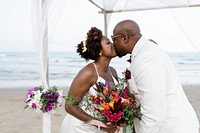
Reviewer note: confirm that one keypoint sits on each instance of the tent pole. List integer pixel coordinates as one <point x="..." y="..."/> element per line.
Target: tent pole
<point x="105" y="22"/>
<point x="155" y="8"/>
<point x="104" y="13"/>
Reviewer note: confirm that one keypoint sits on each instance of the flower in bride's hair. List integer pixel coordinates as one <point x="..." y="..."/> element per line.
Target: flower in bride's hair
<point x="84" y="46"/>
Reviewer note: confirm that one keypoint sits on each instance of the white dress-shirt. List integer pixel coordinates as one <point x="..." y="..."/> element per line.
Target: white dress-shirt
<point x="164" y="105"/>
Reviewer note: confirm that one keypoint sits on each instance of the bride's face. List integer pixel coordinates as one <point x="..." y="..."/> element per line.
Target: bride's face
<point x="107" y="47"/>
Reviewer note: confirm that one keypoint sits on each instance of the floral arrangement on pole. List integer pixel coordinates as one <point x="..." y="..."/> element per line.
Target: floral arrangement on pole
<point x="114" y="103"/>
<point x="43" y="100"/>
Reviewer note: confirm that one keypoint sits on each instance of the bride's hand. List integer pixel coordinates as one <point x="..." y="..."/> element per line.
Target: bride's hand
<point x="110" y="128"/>
<point x="107" y="127"/>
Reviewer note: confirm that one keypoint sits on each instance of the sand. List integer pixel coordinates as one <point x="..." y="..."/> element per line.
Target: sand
<point x="14" y="119"/>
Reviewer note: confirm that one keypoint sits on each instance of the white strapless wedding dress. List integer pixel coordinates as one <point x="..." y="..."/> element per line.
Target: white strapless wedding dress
<point x="71" y="124"/>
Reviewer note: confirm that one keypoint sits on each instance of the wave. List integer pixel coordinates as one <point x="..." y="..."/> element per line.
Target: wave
<point x="2" y="55"/>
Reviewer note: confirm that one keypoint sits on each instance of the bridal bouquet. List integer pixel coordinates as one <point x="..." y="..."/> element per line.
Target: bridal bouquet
<point x="113" y="102"/>
<point x="43" y="100"/>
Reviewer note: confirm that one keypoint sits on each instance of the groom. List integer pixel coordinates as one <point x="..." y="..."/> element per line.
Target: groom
<point x="164" y="105"/>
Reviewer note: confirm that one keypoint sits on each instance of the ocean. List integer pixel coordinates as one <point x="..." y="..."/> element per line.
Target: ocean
<point x="21" y="68"/>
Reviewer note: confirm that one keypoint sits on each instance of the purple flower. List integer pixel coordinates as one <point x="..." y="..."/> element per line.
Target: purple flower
<point x="34" y="105"/>
<point x="46" y="95"/>
<point x="30" y="93"/>
<point x="55" y="97"/>
<point x="104" y="84"/>
<point x="49" y="106"/>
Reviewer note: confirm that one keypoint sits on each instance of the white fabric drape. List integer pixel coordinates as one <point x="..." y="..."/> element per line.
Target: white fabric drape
<point x="183" y="18"/>
<point x="45" y="14"/>
<point x="108" y="5"/>
<point x="40" y="34"/>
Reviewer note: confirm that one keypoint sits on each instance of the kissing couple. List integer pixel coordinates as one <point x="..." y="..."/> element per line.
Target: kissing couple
<point x="163" y="105"/>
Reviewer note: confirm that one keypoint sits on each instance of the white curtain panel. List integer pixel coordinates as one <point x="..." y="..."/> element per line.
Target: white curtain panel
<point x="108" y="5"/>
<point x="40" y="36"/>
<point x="45" y="15"/>
<point x="190" y="16"/>
<point x="182" y="17"/>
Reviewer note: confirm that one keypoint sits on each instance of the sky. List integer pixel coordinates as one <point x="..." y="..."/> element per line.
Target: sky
<point x="163" y="26"/>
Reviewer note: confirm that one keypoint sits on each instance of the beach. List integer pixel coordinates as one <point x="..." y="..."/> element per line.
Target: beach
<point x="14" y="119"/>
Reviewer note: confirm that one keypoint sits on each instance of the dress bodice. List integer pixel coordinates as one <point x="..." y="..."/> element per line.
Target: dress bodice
<point x="84" y="104"/>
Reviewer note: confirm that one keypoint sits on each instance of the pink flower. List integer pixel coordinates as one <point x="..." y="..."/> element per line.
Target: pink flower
<point x="110" y="118"/>
<point x="107" y="112"/>
<point x="117" y="116"/>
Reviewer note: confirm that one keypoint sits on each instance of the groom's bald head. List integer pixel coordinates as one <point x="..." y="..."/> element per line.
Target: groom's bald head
<point x="125" y="35"/>
<point x="127" y="27"/>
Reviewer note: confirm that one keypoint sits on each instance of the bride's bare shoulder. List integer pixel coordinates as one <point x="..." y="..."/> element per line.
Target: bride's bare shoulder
<point x="88" y="71"/>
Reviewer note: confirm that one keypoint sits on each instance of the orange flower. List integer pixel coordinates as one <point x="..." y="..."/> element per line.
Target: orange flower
<point x="105" y="91"/>
<point x="92" y="98"/>
<point x="111" y="104"/>
<point x="104" y="106"/>
<point x="126" y="101"/>
<point x="116" y="96"/>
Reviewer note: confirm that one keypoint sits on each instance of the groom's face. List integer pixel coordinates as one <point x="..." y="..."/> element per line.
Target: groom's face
<point x="118" y="43"/>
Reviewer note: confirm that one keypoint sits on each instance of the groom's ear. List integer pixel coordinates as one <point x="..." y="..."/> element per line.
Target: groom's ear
<point x="126" y="38"/>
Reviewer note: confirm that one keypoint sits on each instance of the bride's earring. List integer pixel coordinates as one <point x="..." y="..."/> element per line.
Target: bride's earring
<point x="100" y="53"/>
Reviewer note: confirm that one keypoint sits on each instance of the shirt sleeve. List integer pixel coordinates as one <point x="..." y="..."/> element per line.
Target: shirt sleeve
<point x="150" y="77"/>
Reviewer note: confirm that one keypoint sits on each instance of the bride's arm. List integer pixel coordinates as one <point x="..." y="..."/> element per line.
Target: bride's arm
<point x="78" y="89"/>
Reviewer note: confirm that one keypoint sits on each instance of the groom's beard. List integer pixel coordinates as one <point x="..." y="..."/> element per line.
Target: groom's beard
<point x="120" y="53"/>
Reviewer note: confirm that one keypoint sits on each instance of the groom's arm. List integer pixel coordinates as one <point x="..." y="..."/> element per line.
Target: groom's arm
<point x="149" y="73"/>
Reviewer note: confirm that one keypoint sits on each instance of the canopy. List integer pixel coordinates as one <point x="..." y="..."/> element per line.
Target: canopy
<point x="135" y="5"/>
<point x="108" y="7"/>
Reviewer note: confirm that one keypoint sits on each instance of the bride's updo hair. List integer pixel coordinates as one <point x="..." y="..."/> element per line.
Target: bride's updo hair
<point x="91" y="47"/>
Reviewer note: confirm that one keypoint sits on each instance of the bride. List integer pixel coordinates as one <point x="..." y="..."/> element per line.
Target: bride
<point x="80" y="119"/>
